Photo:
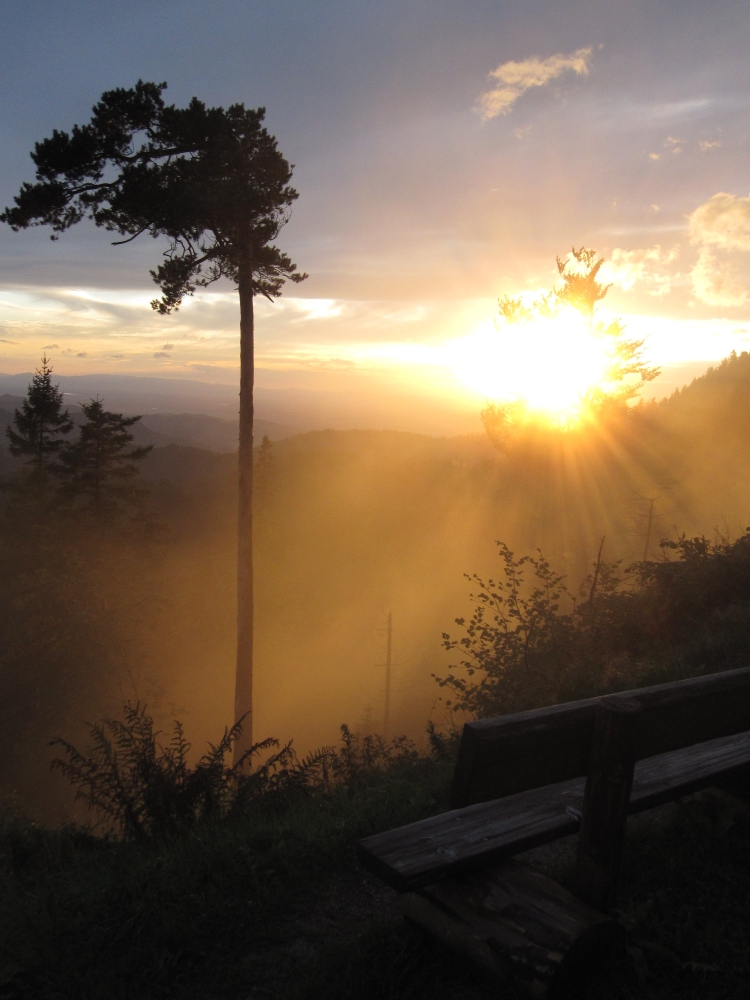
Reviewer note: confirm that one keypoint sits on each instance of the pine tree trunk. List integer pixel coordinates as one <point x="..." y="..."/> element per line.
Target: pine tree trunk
<point x="243" y="698"/>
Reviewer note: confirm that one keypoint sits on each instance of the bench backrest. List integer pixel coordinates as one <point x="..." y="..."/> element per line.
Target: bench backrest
<point x="514" y="753"/>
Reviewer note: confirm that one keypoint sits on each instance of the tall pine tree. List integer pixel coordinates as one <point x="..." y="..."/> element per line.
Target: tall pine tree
<point x="100" y="467"/>
<point x="215" y="184"/>
<point x="40" y="425"/>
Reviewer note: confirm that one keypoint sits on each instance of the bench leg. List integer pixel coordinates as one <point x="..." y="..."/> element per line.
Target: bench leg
<point x="605" y="802"/>
<point x="512" y="920"/>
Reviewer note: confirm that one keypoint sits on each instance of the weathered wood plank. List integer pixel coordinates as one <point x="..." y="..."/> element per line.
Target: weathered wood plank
<point x="606" y="800"/>
<point x="453" y="841"/>
<point x="461" y="839"/>
<point x="514" y="921"/>
<point x="514" y="753"/>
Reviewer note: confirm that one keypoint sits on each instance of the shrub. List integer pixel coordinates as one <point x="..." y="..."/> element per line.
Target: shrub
<point x="654" y="620"/>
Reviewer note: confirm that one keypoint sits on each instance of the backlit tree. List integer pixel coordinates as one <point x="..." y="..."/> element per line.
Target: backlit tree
<point x="214" y="184"/>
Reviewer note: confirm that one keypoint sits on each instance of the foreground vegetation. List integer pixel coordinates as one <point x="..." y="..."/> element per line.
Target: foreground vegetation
<point x="271" y="903"/>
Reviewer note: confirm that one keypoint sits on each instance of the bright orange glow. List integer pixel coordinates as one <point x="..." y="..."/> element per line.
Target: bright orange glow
<point x="550" y="364"/>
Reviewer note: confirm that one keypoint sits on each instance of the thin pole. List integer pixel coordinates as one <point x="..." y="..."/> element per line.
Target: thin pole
<point x="648" y="531"/>
<point x="389" y="647"/>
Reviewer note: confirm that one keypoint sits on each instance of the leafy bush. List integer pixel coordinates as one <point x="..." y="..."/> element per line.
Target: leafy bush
<point x="651" y="621"/>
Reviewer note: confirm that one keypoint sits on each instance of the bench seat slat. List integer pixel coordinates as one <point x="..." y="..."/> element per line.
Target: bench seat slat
<point x="423" y="852"/>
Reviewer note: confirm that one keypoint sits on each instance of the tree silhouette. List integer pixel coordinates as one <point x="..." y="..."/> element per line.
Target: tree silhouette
<point x="214" y="183"/>
<point x="40" y="424"/>
<point x="580" y="288"/>
<point x="628" y="372"/>
<point x="100" y="467"/>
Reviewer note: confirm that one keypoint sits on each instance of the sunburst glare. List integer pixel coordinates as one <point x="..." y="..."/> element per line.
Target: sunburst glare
<point x="550" y="364"/>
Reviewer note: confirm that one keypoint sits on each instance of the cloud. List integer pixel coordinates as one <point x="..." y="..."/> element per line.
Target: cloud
<point x="671" y="145"/>
<point x="707" y="145"/>
<point x="167" y="347"/>
<point x="715" y="285"/>
<point x="627" y="268"/>
<point x="81" y="354"/>
<point x="514" y="78"/>
<point x="723" y="221"/>
<point x="161" y="354"/>
<point x="51" y="347"/>
<point x="316" y="308"/>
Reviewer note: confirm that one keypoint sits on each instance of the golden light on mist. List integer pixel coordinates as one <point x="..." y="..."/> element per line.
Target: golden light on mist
<point x="551" y="365"/>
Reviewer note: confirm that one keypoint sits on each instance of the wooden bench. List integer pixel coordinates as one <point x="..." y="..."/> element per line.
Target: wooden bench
<point x="528" y="779"/>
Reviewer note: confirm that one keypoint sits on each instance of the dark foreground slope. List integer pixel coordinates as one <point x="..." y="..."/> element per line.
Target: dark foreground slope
<point x="275" y="906"/>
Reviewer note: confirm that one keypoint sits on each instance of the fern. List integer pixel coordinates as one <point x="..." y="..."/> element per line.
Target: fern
<point x="143" y="790"/>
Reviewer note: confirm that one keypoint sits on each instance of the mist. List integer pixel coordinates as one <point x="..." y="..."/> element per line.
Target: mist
<point x="349" y="527"/>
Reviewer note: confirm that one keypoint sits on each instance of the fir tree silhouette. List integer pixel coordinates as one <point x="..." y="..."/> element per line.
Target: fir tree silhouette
<point x="99" y="468"/>
<point x="40" y="425"/>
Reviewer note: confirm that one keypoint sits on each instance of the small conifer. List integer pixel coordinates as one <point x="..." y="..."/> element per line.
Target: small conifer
<point x="40" y="425"/>
<point x="100" y="467"/>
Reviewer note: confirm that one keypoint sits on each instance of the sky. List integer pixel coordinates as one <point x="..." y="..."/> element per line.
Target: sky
<point x="444" y="154"/>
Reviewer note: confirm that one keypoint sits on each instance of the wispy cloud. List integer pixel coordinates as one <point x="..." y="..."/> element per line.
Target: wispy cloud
<point x="671" y="145"/>
<point x="511" y="79"/>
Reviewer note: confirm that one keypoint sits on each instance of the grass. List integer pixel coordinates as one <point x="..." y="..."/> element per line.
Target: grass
<point x="215" y="911"/>
<point x="274" y="905"/>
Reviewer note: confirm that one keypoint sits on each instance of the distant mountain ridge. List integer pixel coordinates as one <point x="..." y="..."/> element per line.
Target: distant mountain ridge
<point x="716" y="401"/>
<point x="288" y="400"/>
<point x="195" y="430"/>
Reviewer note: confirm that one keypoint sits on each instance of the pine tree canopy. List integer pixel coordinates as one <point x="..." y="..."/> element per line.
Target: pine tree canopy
<point x="212" y="180"/>
<point x="40" y="423"/>
<point x="101" y="466"/>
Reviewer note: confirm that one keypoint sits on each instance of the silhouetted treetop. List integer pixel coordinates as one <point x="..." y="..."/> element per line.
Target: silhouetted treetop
<point x="100" y="467"/>
<point x="212" y="180"/>
<point x="580" y="288"/>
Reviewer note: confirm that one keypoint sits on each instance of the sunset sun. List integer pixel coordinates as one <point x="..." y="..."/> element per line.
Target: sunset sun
<point x="551" y="365"/>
